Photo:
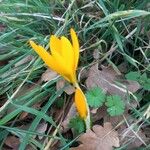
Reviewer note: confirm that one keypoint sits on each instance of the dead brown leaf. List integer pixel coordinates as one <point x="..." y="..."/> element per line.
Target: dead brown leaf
<point x="132" y="86"/>
<point x="134" y="139"/>
<point x="2" y="27"/>
<point x="101" y="138"/>
<point x="24" y="60"/>
<point x="83" y="74"/>
<point x="49" y="75"/>
<point x="24" y="114"/>
<point x="123" y="67"/>
<point x="107" y="78"/>
<point x="99" y="114"/>
<point x="41" y="128"/>
<point x="72" y="112"/>
<point x="69" y="89"/>
<point x="115" y="120"/>
<point x="2" y="63"/>
<point x="13" y="142"/>
<point x="96" y="54"/>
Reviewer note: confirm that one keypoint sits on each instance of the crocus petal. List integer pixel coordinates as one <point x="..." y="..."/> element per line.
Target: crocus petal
<point x="80" y="102"/>
<point x="63" y="48"/>
<point x="75" y="44"/>
<point x="42" y="53"/>
<point x="59" y="54"/>
<point x="55" y="64"/>
<point x="61" y="67"/>
<point x="55" y="44"/>
<point x="67" y="53"/>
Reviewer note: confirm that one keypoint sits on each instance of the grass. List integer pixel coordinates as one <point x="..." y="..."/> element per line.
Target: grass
<point x="120" y="30"/>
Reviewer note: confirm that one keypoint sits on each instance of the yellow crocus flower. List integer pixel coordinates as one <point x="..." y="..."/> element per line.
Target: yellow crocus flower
<point x="63" y="58"/>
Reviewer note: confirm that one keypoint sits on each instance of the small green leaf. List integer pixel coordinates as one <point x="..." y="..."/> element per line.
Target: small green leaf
<point x="133" y="76"/>
<point x="146" y="85"/>
<point x="115" y="105"/>
<point x="95" y="97"/>
<point x="143" y="77"/>
<point x="145" y="81"/>
<point x="77" y="124"/>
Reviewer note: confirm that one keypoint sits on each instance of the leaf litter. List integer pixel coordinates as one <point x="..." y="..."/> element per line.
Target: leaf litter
<point x="71" y="113"/>
<point x="13" y="142"/>
<point x="69" y="89"/>
<point x="99" y="138"/>
<point x="107" y="78"/>
<point x="103" y="138"/>
<point x="134" y="137"/>
<point x="49" y="75"/>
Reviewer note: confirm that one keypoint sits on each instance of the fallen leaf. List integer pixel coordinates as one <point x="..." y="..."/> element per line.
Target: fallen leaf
<point x="41" y="128"/>
<point x="13" y="142"/>
<point x="69" y="89"/>
<point x="49" y="75"/>
<point x="2" y="27"/>
<point x="147" y="132"/>
<point x="99" y="114"/>
<point x="101" y="138"/>
<point x="96" y="54"/>
<point x="114" y="120"/>
<point x="24" y="60"/>
<point x="71" y="113"/>
<point x="83" y="74"/>
<point x="25" y="115"/>
<point x="29" y="147"/>
<point x="132" y="86"/>
<point x="93" y="110"/>
<point x="25" y="89"/>
<point x="107" y="78"/>
<point x="123" y="67"/>
<point x="133" y="139"/>
<point x="2" y="63"/>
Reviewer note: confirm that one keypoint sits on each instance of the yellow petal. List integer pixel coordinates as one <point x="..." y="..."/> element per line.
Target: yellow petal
<point x="80" y="102"/>
<point x="67" y="53"/>
<point x="55" y="64"/>
<point x="55" y="44"/>
<point x="63" y="48"/>
<point x="58" y="54"/>
<point x="62" y="68"/>
<point x="75" y="44"/>
<point x="42" y="53"/>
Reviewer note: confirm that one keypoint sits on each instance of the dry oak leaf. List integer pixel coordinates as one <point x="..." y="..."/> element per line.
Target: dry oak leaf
<point x="13" y="142"/>
<point x="101" y="113"/>
<point x="49" y="75"/>
<point x="101" y="138"/>
<point x="71" y="113"/>
<point x="41" y="128"/>
<point x="106" y="79"/>
<point x="69" y="89"/>
<point x="133" y="138"/>
<point x="26" y="59"/>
